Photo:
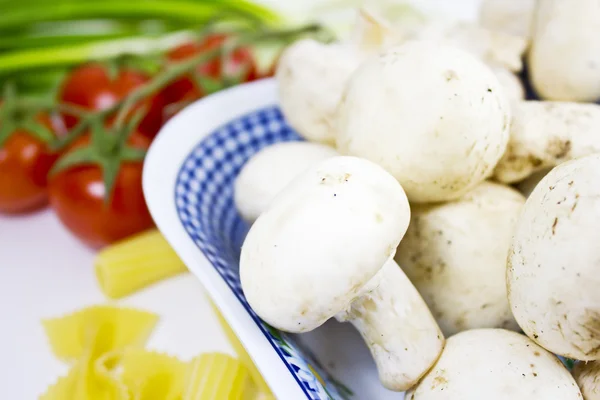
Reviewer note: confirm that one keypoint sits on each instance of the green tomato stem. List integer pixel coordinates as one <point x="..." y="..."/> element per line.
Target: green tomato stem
<point x="187" y="66"/>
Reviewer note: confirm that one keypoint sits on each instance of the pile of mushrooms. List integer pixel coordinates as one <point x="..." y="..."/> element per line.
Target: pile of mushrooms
<point x="451" y="221"/>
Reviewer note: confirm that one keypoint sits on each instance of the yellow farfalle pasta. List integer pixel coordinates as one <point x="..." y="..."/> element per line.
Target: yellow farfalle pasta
<point x="135" y="263"/>
<point x="105" y="345"/>
<point x="85" y="382"/>
<point x="218" y="376"/>
<point x="89" y="379"/>
<point x="151" y="375"/>
<point x="97" y="331"/>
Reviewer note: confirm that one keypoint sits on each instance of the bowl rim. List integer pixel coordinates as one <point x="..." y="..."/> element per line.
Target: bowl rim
<point x="175" y="141"/>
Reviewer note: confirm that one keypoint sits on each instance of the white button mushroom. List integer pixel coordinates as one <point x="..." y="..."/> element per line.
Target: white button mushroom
<point x="491" y="46"/>
<point x="311" y="78"/>
<point x="587" y="376"/>
<point x="455" y="255"/>
<point x="509" y="16"/>
<point x="526" y="186"/>
<point x="511" y="84"/>
<point x="544" y="134"/>
<point x="433" y="116"/>
<point x="564" y="58"/>
<point x="553" y="280"/>
<point x="312" y="75"/>
<point x="495" y="364"/>
<point x="270" y="170"/>
<point x="325" y="248"/>
<point x="496" y="48"/>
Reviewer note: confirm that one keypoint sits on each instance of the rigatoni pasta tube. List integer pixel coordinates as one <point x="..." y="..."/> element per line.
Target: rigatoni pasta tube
<point x="135" y="263"/>
<point x="218" y="376"/>
<point x="264" y="392"/>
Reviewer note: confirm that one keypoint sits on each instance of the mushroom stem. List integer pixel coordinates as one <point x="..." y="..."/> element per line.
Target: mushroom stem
<point x="399" y="329"/>
<point x="545" y="134"/>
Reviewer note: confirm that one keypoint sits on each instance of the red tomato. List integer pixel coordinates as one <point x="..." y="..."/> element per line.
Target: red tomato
<point x="91" y="87"/>
<point x="77" y="197"/>
<point x="24" y="165"/>
<point x="186" y="88"/>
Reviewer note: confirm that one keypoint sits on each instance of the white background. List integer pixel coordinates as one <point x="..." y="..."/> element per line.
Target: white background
<point x="45" y="272"/>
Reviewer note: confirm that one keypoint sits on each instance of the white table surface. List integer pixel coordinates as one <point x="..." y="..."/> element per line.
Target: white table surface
<point x="45" y="272"/>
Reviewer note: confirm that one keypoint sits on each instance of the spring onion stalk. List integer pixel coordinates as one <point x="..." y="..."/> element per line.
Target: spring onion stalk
<point x="9" y="43"/>
<point x="86" y="27"/>
<point x="65" y="55"/>
<point x="18" y="15"/>
<point x="83" y="31"/>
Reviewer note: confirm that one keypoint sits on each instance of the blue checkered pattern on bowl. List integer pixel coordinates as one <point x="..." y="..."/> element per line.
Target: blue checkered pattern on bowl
<point x="204" y="201"/>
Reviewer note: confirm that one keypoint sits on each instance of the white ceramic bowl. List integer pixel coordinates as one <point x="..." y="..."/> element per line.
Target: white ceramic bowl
<point x="188" y="183"/>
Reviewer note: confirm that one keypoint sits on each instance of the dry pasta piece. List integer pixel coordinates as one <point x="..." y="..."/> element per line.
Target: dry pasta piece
<point x="98" y="330"/>
<point x="261" y="385"/>
<point x="218" y="376"/>
<point x="151" y="375"/>
<point x="135" y="263"/>
<point x="88" y="379"/>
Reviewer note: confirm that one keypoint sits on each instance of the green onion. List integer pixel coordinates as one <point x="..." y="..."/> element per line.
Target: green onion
<point x="41" y="40"/>
<point x="65" y="55"/>
<point x="17" y="15"/>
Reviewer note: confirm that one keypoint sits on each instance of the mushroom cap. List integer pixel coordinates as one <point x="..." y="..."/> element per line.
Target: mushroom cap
<point x="511" y="84"/>
<point x="495" y="364"/>
<point x="311" y="77"/>
<point x="526" y="186"/>
<point x="545" y="134"/>
<point x="564" y="54"/>
<point x="433" y="116"/>
<point x="270" y="170"/>
<point x="553" y="280"/>
<point x="587" y="376"/>
<point x="322" y="240"/>
<point x="455" y="255"/>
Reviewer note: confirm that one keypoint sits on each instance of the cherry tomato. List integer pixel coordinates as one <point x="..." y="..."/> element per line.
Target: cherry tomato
<point x="91" y="87"/>
<point x="24" y="165"/>
<point x="186" y="88"/>
<point x="77" y="195"/>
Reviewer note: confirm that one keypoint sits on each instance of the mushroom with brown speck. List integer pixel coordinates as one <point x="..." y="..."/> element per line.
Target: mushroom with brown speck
<point x="320" y="236"/>
<point x="380" y="119"/>
<point x="587" y="376"/>
<point x="455" y="254"/>
<point x="488" y="364"/>
<point x="552" y="233"/>
<point x="545" y="134"/>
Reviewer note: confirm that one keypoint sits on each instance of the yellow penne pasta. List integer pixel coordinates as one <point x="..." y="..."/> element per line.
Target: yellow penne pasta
<point x="135" y="263"/>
